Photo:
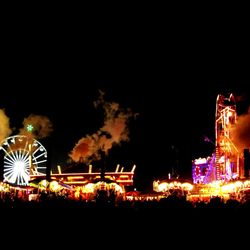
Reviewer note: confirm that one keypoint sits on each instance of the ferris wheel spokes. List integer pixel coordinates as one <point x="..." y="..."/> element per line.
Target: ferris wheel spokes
<point x="24" y="156"/>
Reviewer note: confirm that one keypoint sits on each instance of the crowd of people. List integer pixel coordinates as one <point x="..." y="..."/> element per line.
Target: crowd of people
<point x="18" y="199"/>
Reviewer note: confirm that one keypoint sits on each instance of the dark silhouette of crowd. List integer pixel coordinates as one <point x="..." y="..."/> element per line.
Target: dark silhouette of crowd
<point x="51" y="200"/>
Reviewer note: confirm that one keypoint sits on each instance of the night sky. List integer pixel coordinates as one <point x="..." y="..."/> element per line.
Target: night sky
<point x="171" y="81"/>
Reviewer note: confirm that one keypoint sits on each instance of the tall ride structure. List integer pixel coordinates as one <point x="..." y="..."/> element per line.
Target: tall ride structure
<point x="227" y="156"/>
<point x="226" y="162"/>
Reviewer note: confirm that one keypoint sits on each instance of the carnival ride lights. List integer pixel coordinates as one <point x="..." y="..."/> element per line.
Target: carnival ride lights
<point x="227" y="154"/>
<point x="166" y="187"/>
<point x="225" y="162"/>
<point x="202" y="170"/>
<point x="229" y="190"/>
<point x="23" y="156"/>
<point x="25" y="163"/>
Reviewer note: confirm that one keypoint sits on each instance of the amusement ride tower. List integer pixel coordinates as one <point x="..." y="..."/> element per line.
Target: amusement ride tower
<point x="227" y="165"/>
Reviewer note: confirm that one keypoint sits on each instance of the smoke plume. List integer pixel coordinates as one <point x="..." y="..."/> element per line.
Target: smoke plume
<point x="5" y="130"/>
<point x="241" y="132"/>
<point x="113" y="132"/>
<point x="42" y="126"/>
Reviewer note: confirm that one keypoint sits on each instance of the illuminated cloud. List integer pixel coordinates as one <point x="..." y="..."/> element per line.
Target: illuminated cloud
<point x="113" y="132"/>
<point x="37" y="126"/>
<point x="241" y="131"/>
<point x="5" y="130"/>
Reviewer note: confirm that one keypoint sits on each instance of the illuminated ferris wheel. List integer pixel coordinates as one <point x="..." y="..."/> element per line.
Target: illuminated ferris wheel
<point x="23" y="156"/>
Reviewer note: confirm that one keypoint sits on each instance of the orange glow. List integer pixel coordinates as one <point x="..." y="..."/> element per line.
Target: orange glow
<point x="75" y="182"/>
<point x="124" y="176"/>
<point x="75" y="177"/>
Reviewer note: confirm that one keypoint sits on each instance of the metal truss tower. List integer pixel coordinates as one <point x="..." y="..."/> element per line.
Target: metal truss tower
<point x="227" y="154"/>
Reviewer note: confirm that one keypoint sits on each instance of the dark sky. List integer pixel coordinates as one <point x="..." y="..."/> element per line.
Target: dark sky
<point x="170" y="77"/>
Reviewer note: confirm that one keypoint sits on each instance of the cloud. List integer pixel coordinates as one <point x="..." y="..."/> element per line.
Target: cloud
<point x="113" y="132"/>
<point x="241" y="131"/>
<point x="42" y="126"/>
<point x="5" y="130"/>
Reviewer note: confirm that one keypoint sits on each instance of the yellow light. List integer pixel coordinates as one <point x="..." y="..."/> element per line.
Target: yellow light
<point x="75" y="177"/>
<point x="117" y="168"/>
<point x="133" y="169"/>
<point x="90" y="169"/>
<point x="75" y="182"/>
<point x="59" y="169"/>
<point x="124" y="176"/>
